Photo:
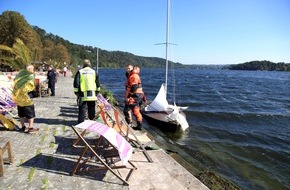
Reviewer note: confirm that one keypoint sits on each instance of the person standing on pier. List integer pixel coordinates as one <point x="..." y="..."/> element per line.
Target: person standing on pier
<point x="134" y="96"/>
<point x="24" y="84"/>
<point x="64" y="71"/>
<point x="86" y="87"/>
<point x="51" y="76"/>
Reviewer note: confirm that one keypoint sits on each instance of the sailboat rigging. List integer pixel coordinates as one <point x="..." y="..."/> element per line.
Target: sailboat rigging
<point x="159" y="112"/>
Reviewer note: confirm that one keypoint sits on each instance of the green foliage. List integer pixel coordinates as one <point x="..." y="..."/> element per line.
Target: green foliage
<point x="49" y="49"/>
<point x="31" y="174"/>
<point x="51" y="145"/>
<point x="45" y="182"/>
<point x="14" y="26"/>
<point x="261" y="65"/>
<point x="109" y="96"/>
<point x="17" y="57"/>
<point x="108" y="59"/>
<point x="38" y="151"/>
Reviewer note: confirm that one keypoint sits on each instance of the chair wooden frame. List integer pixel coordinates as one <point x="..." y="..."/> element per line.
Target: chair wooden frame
<point x="125" y="130"/>
<point x="7" y="105"/>
<point x="6" y="94"/>
<point x="5" y="145"/>
<point x="103" y="165"/>
<point x="119" y="124"/>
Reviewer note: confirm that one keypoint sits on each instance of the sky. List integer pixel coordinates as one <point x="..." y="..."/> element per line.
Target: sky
<point x="200" y="31"/>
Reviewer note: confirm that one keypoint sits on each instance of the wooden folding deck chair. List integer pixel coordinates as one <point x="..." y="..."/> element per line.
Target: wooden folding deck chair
<point x="117" y="122"/>
<point x="6" y="94"/>
<point x="8" y="107"/>
<point x="7" y="123"/>
<point x="112" y="117"/>
<point x="118" y="143"/>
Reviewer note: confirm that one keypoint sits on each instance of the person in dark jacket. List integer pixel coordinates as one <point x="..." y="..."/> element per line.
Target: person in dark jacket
<point x="51" y="76"/>
<point x="86" y="88"/>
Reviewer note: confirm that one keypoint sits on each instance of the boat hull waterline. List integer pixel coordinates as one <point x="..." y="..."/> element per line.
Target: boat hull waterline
<point x="167" y="117"/>
<point x="162" y="121"/>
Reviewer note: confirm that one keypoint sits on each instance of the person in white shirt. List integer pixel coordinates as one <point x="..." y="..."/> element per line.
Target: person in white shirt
<point x="64" y="71"/>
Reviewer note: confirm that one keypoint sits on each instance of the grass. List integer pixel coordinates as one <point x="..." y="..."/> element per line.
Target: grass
<point x="43" y="138"/>
<point x="31" y="174"/>
<point x="63" y="128"/>
<point x="46" y="128"/>
<point x="54" y="132"/>
<point x="51" y="145"/>
<point x="45" y="182"/>
<point x="38" y="151"/>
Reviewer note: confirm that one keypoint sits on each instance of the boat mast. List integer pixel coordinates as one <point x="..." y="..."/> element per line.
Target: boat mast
<point x="97" y="60"/>
<point x="166" y="45"/>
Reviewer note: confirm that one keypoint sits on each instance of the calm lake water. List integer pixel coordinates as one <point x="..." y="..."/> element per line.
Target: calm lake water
<point x="239" y="121"/>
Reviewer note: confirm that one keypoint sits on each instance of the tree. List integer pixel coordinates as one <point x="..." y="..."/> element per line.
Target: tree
<point x="61" y="54"/>
<point x="17" y="57"/>
<point x="55" y="55"/>
<point x="13" y="25"/>
<point x="261" y="65"/>
<point x="48" y="48"/>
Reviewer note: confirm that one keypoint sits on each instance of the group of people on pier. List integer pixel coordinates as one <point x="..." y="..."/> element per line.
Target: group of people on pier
<point x="86" y="86"/>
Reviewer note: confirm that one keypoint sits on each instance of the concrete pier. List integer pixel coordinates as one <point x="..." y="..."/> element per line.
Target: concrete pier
<point x="45" y="159"/>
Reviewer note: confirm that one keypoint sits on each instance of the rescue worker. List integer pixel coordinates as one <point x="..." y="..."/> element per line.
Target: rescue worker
<point x="86" y="87"/>
<point x="134" y="96"/>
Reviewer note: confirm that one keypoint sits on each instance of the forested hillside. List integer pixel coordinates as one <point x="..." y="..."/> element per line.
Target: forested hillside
<point x="21" y="43"/>
<point x="47" y="48"/>
<point x="111" y="59"/>
<point x="261" y="65"/>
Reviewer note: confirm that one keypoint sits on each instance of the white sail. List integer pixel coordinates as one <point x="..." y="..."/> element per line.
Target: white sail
<point x="182" y="120"/>
<point x="177" y="116"/>
<point x="159" y="103"/>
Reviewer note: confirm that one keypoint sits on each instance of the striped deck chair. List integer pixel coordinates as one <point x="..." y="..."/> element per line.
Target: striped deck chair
<point x="112" y="117"/>
<point x="108" y="106"/>
<point x="7" y="93"/>
<point x="7" y="105"/>
<point x="7" y="122"/>
<point x="6" y="108"/>
<point x="116" y="141"/>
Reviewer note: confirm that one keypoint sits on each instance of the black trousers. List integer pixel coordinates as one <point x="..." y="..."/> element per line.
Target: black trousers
<point x="91" y="106"/>
<point x="52" y="89"/>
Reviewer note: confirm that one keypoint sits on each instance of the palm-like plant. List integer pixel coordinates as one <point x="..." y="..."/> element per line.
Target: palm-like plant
<point x="17" y="57"/>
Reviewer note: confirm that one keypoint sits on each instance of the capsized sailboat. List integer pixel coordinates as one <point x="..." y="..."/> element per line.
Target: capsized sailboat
<point x="168" y="118"/>
<point x="159" y="113"/>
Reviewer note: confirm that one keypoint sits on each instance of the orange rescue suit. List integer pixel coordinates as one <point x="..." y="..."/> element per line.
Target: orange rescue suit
<point x="134" y="93"/>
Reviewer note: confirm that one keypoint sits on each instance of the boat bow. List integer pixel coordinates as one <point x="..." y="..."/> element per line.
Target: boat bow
<point x="172" y="113"/>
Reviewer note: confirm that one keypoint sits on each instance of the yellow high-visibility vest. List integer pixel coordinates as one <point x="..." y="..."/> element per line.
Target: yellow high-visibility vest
<point x="87" y="84"/>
